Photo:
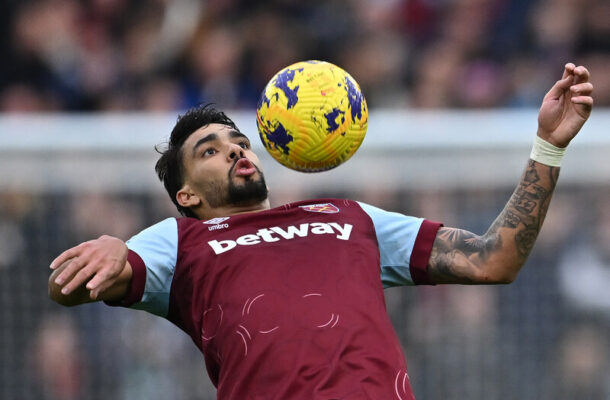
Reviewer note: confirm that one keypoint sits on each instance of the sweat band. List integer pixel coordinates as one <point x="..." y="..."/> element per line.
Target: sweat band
<point x="546" y="153"/>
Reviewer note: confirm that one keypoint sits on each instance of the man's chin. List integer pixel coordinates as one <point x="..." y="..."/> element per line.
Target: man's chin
<point x="248" y="193"/>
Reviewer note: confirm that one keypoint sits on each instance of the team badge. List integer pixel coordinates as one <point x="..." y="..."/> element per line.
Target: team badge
<point x="216" y="221"/>
<point x="325" y="208"/>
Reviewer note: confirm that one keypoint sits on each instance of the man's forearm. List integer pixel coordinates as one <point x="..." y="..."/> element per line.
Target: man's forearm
<point x="459" y="256"/>
<point x="519" y="223"/>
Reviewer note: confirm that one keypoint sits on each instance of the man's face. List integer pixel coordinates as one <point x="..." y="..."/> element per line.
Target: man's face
<point x="221" y="172"/>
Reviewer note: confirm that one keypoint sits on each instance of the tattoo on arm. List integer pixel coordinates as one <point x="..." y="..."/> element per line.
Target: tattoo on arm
<point x="459" y="256"/>
<point x="453" y="248"/>
<point x="527" y="207"/>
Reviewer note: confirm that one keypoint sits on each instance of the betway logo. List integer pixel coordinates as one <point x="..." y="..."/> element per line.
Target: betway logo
<point x="275" y="233"/>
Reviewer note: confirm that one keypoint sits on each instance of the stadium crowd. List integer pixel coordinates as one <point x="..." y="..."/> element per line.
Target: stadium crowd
<point x="538" y="338"/>
<point x="117" y="55"/>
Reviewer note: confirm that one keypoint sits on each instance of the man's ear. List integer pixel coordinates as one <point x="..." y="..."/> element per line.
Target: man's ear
<point x="187" y="198"/>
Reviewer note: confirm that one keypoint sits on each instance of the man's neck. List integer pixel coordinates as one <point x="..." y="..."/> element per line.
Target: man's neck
<point x="229" y="210"/>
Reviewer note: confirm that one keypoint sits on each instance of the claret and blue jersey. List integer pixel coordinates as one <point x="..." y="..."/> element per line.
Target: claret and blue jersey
<point x="287" y="303"/>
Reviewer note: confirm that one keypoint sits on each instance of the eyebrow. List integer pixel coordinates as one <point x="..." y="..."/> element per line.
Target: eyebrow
<point x="213" y="136"/>
<point x="237" y="134"/>
<point x="205" y="139"/>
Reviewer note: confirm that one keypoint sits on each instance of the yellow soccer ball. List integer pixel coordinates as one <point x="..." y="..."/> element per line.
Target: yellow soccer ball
<point x="312" y="116"/>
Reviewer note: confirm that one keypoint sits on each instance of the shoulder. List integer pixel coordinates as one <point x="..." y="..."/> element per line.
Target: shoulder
<point x="381" y="217"/>
<point x="163" y="234"/>
<point x="165" y="226"/>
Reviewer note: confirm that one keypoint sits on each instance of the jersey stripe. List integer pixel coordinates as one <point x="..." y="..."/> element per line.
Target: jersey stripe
<point x="421" y="252"/>
<point x="136" y="284"/>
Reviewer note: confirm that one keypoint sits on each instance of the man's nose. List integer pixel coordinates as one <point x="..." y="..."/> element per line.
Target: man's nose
<point x="235" y="151"/>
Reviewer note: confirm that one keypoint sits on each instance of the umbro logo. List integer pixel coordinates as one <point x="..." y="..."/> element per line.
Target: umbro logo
<point x="325" y="208"/>
<point x="217" y="223"/>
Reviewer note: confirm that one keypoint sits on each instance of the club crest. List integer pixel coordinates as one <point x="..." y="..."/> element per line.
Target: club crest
<point x="325" y="208"/>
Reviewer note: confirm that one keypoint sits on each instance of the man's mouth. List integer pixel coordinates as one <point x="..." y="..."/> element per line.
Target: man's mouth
<point x="244" y="167"/>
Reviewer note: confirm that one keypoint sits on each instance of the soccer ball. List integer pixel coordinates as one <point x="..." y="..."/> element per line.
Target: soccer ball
<point x="312" y="116"/>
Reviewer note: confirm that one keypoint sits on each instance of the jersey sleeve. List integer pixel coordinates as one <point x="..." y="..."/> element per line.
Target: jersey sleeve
<point x="152" y="256"/>
<point x="405" y="244"/>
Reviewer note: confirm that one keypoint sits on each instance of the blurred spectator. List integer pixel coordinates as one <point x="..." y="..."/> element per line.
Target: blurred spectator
<point x="454" y="329"/>
<point x="583" y="367"/>
<point x="14" y="208"/>
<point x="585" y="263"/>
<point x="96" y="214"/>
<point x="213" y="59"/>
<point x="57" y="360"/>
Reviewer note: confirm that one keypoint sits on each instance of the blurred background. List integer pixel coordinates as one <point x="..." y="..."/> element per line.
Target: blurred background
<point x="88" y="88"/>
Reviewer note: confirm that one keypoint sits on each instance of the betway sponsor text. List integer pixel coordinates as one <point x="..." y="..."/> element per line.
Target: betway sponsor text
<point x="275" y="233"/>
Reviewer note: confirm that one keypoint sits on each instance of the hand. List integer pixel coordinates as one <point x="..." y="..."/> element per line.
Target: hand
<point x="98" y="262"/>
<point x="566" y="107"/>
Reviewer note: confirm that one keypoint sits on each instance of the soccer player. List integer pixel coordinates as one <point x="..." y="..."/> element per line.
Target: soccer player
<point x="287" y="302"/>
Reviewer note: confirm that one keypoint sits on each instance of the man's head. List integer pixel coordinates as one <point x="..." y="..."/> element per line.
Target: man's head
<point x="208" y="168"/>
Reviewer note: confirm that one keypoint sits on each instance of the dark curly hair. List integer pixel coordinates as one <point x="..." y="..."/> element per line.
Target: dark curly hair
<point x="170" y="167"/>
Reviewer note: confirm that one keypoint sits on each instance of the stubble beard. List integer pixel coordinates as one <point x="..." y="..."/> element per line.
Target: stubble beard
<point x="251" y="191"/>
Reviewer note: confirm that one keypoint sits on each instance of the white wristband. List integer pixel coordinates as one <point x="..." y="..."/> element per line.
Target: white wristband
<point x="546" y="153"/>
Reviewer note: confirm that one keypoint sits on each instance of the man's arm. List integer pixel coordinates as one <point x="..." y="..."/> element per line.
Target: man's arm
<point x="459" y="256"/>
<point x="93" y="270"/>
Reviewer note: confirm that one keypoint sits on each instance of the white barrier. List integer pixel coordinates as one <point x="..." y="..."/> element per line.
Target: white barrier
<point x="115" y="152"/>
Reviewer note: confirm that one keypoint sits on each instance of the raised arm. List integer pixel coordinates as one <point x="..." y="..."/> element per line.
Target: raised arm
<point x="459" y="256"/>
<point x="92" y="271"/>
